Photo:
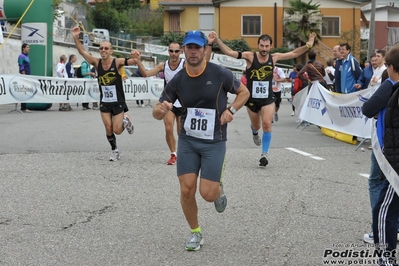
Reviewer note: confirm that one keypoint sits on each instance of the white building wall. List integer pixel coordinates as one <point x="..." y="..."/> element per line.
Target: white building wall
<point x="12" y="49"/>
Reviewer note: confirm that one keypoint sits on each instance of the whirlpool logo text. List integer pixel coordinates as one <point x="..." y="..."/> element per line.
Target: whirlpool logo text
<point x="22" y="89"/>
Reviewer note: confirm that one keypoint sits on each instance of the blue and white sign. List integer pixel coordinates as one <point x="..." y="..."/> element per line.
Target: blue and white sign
<point x="34" y="33"/>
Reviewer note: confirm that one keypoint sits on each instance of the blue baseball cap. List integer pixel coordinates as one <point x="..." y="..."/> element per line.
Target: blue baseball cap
<point x="194" y="37"/>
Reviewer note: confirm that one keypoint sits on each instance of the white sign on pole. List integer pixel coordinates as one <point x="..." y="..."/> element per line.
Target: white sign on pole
<point x="34" y="33"/>
<point x="86" y="41"/>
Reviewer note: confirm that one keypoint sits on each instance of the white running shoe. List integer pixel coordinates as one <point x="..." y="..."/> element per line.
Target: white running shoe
<point x="221" y="202"/>
<point x="114" y="156"/>
<point x="368" y="238"/>
<point x="127" y="124"/>
<point x="194" y="242"/>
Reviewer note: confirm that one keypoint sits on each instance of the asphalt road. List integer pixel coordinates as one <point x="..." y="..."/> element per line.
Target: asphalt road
<point x="64" y="203"/>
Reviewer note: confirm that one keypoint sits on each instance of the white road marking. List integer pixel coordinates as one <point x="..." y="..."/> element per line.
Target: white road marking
<point x="317" y="158"/>
<point x="306" y="154"/>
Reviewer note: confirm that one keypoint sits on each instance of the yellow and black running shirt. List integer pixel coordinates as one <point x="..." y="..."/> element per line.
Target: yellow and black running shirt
<point x="260" y="77"/>
<point x="111" y="87"/>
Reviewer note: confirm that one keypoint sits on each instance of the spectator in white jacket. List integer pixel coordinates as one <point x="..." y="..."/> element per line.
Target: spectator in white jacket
<point x="62" y="73"/>
<point x="330" y="74"/>
<point x="278" y="79"/>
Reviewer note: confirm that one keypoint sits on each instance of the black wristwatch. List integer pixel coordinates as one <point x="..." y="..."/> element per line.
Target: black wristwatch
<point x="232" y="110"/>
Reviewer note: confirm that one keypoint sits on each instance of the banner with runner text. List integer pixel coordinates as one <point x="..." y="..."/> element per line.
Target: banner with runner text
<point x="336" y="111"/>
<point x="40" y="89"/>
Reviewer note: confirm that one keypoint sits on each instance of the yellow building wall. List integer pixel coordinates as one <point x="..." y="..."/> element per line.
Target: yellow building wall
<point x="165" y="22"/>
<point x="349" y="20"/>
<point x="217" y="20"/>
<point x="189" y="19"/>
<point x="154" y="4"/>
<point x="230" y="24"/>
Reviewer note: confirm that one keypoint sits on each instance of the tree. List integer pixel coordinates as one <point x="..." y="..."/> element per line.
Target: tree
<point x="289" y="62"/>
<point x="129" y="16"/>
<point x="236" y="45"/>
<point x="123" y="5"/>
<point x="81" y="2"/>
<point x="353" y="38"/>
<point x="56" y="6"/>
<point x="107" y="17"/>
<point x="302" y="19"/>
<point x="172" y="37"/>
<point x="146" y="21"/>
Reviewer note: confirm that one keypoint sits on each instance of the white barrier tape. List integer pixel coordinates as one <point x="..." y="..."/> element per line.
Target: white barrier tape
<point x="385" y="166"/>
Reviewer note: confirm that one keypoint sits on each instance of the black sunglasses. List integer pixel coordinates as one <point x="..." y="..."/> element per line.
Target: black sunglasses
<point x="174" y="51"/>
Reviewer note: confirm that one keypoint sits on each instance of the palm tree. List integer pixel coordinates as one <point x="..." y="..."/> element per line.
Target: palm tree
<point x="300" y="20"/>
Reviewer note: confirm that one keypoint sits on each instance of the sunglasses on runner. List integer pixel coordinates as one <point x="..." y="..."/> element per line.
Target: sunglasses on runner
<point x="104" y="48"/>
<point x="174" y="51"/>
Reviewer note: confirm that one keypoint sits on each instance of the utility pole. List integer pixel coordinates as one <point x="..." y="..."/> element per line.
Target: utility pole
<point x="371" y="47"/>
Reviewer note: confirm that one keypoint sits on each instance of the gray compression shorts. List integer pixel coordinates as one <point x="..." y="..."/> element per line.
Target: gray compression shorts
<point x="195" y="155"/>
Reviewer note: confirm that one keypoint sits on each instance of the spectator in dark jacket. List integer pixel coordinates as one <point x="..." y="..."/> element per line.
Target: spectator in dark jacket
<point x="69" y="66"/>
<point x="386" y="211"/>
<point x="314" y="69"/>
<point x="138" y="102"/>
<point x="337" y="73"/>
<point x="71" y="74"/>
<point x="364" y="79"/>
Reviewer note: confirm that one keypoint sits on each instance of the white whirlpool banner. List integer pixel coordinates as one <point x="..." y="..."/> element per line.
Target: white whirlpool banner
<point x="335" y="111"/>
<point x="39" y="89"/>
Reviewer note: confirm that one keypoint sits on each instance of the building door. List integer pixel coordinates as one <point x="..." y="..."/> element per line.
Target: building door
<point x="174" y="22"/>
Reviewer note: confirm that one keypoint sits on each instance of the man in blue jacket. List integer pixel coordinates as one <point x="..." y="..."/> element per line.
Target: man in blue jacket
<point x="350" y="69"/>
